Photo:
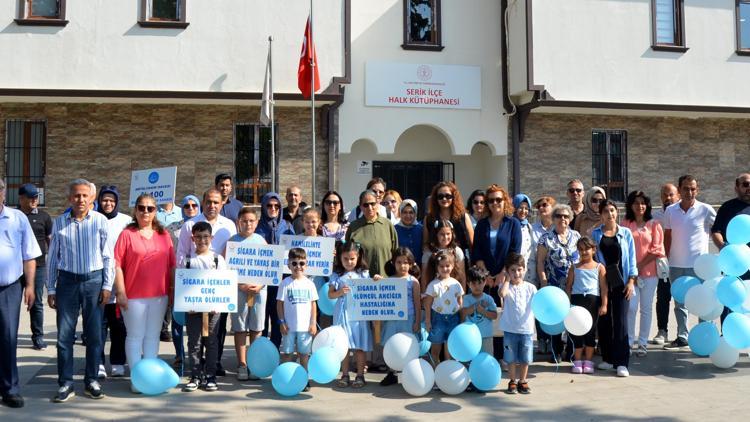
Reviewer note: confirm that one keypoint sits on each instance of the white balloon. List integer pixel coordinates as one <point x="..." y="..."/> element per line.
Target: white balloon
<point x="418" y="377"/>
<point x="715" y="314"/>
<point x="451" y="377"/>
<point x="725" y="356"/>
<point x="333" y="336"/>
<point x="579" y="321"/>
<point x="701" y="300"/>
<point x="712" y="283"/>
<point x="706" y="266"/>
<point x="400" y="349"/>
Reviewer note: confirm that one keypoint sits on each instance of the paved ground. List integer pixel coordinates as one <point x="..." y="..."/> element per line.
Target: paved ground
<point x="663" y="386"/>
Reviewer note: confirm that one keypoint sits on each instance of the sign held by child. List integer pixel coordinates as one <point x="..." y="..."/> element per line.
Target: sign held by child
<point x="205" y="290"/>
<point x="256" y="264"/>
<point x="383" y="300"/>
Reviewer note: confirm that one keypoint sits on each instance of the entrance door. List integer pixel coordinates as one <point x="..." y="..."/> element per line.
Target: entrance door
<point x="411" y="179"/>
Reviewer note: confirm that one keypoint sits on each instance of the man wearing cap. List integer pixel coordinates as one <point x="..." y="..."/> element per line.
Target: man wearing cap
<point x="18" y="250"/>
<point x="230" y="207"/>
<point x="41" y="224"/>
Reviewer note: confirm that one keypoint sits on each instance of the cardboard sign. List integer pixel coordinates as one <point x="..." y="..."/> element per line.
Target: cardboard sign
<point x="205" y="290"/>
<point x="319" y="253"/>
<point x="256" y="264"/>
<point x="383" y="300"/>
<point x="160" y="183"/>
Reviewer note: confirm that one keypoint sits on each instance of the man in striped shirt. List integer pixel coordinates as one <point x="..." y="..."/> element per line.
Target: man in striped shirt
<point x="81" y="274"/>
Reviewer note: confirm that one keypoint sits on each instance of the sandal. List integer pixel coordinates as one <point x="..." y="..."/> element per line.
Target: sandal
<point x="523" y="387"/>
<point x="344" y="381"/>
<point x="359" y="381"/>
<point x="512" y="387"/>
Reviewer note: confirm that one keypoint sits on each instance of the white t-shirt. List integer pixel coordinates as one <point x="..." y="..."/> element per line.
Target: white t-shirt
<point x="222" y="229"/>
<point x="517" y="316"/>
<point x="297" y="296"/>
<point x="690" y="232"/>
<point x="445" y="294"/>
<point x="204" y="262"/>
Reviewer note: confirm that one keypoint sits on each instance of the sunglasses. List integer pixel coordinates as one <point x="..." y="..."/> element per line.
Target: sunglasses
<point x="331" y="203"/>
<point x="492" y="201"/>
<point x="544" y="205"/>
<point x="369" y="204"/>
<point x="562" y="216"/>
<point x="298" y="263"/>
<point x="444" y="196"/>
<point x="190" y="206"/>
<point x="146" y="208"/>
<point x="478" y="202"/>
<point x="378" y="192"/>
<point x="575" y="190"/>
<point x="273" y="206"/>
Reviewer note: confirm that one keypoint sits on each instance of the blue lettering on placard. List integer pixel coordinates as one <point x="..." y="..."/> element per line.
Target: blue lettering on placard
<point x="153" y="177"/>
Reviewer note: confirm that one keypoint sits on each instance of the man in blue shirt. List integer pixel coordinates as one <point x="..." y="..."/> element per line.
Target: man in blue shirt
<point x="230" y="206"/>
<point x="18" y="249"/>
<point x="168" y="214"/>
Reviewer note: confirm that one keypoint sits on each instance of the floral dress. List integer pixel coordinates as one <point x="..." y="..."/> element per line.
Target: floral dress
<point x="560" y="256"/>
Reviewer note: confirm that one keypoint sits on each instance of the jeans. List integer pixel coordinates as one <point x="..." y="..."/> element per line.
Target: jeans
<point x="613" y="329"/>
<point x="643" y="296"/>
<point x="143" y="320"/>
<point x="36" y="314"/>
<point x="76" y="293"/>
<point x="10" y="308"/>
<point x="663" y="297"/>
<point x="117" y="334"/>
<point x="680" y="311"/>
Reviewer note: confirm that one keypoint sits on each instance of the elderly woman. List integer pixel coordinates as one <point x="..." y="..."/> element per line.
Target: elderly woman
<point x="446" y="204"/>
<point x="392" y="202"/>
<point x="332" y="215"/>
<point x="409" y="229"/>
<point x="522" y="208"/>
<point x="543" y="208"/>
<point x="476" y="206"/>
<point x="616" y="250"/>
<point x="144" y="270"/>
<point x="556" y="253"/>
<point x="589" y="218"/>
<point x="375" y="234"/>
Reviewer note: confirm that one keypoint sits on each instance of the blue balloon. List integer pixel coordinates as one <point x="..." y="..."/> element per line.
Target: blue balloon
<point x="424" y="344"/>
<point x="682" y="285"/>
<point x="550" y="305"/>
<point x="153" y="377"/>
<point x="703" y="339"/>
<point x="324" y="365"/>
<point x="289" y="379"/>
<point x="262" y="357"/>
<point x="485" y="372"/>
<point x="553" y="330"/>
<point x="178" y="317"/>
<point x="465" y="342"/>
<point x="170" y="377"/>
<point x="738" y="230"/>
<point x="734" y="259"/>
<point x="731" y="292"/>
<point x="736" y="330"/>
<point x="325" y="304"/>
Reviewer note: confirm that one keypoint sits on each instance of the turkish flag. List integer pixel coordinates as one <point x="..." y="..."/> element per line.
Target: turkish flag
<point x="308" y="65"/>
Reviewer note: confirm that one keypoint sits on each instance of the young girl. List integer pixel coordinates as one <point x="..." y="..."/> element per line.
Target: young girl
<point x="442" y="303"/>
<point x="312" y="223"/>
<point x="443" y="239"/>
<point x="404" y="267"/>
<point x="587" y="287"/>
<point x="350" y="264"/>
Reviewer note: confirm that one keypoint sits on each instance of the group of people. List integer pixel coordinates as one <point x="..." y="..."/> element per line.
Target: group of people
<point x="479" y="261"/>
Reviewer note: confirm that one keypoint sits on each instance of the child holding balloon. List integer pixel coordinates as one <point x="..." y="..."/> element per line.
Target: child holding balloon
<point x="349" y="264"/>
<point x="442" y="303"/>
<point x="587" y="287"/>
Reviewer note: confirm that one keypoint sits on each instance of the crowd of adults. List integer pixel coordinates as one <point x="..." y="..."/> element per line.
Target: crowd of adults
<point x="92" y="250"/>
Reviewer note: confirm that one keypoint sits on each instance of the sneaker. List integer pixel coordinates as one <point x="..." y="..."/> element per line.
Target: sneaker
<point x="661" y="337"/>
<point x="243" y="374"/>
<point x="64" y="394"/>
<point x="102" y="373"/>
<point x="588" y="367"/>
<point x="345" y="381"/>
<point x="192" y="385"/>
<point x="252" y="377"/>
<point x="390" y="379"/>
<point x="622" y="371"/>
<point x="523" y="387"/>
<point x="211" y="384"/>
<point x="642" y="351"/>
<point x="118" y="371"/>
<point x="94" y="390"/>
<point x="38" y="344"/>
<point x="307" y="387"/>
<point x="14" y="401"/>
<point x="678" y="344"/>
<point x="512" y="387"/>
<point x="577" y="367"/>
<point x="634" y="346"/>
<point x="605" y="366"/>
<point x="220" y="371"/>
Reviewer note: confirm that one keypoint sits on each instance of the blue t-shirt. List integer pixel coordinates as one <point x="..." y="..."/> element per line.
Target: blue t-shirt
<point x="484" y="324"/>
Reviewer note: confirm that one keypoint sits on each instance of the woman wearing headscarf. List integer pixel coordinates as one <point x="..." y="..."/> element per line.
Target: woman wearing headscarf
<point x="521" y="209"/>
<point x="409" y="229"/>
<point x="589" y="218"/>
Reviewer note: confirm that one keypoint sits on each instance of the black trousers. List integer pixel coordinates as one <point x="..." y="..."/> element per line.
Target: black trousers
<point x="613" y="329"/>
<point x="663" y="298"/>
<point x="117" y="334"/>
<point x="273" y="316"/>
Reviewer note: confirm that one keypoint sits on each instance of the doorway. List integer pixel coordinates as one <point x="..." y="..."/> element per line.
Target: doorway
<point x="411" y="179"/>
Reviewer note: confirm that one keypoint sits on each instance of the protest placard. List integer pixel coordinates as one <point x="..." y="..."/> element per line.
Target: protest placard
<point x="256" y="263"/>
<point x="382" y="300"/>
<point x="160" y="183"/>
<point x="205" y="290"/>
<point x="319" y="253"/>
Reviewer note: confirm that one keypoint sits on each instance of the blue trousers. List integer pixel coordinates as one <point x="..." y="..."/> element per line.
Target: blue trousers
<point x="10" y="308"/>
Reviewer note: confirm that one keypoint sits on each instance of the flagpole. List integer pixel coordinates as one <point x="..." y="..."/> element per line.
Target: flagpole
<point x="274" y="188"/>
<point x="311" y="44"/>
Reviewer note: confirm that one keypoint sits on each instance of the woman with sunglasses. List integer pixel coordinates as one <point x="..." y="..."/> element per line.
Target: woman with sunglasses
<point x="475" y="206"/>
<point x="589" y="218"/>
<point x="144" y="270"/>
<point x="374" y="233"/>
<point x="445" y="203"/>
<point x="332" y="216"/>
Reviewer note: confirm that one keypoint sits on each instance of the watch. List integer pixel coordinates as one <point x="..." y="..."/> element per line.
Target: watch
<point x="282" y="321"/>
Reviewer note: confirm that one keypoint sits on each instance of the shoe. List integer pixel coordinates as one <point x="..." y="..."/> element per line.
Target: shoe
<point x="220" y="371"/>
<point x="64" y="394"/>
<point x="117" y="371"/>
<point x="512" y="387"/>
<point x="192" y="385"/>
<point x="622" y="371"/>
<point x="359" y="381"/>
<point x="94" y="390"/>
<point x="678" y="344"/>
<point x="605" y="366"/>
<point x="38" y="344"/>
<point x="252" y="377"/>
<point x="390" y="379"/>
<point x="344" y="381"/>
<point x="523" y="387"/>
<point x="577" y="367"/>
<point x="307" y="387"/>
<point x="13" y="400"/>
<point x="102" y="374"/>
<point x="588" y="367"/>
<point x="211" y="384"/>
<point x="634" y="346"/>
<point x="642" y="351"/>
<point x="165" y="337"/>
<point x="243" y="374"/>
<point x="660" y="338"/>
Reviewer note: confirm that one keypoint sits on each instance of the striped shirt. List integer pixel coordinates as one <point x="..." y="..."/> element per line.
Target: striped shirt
<point x="80" y="247"/>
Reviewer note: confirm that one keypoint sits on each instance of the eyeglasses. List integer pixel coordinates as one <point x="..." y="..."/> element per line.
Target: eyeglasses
<point x="575" y="190"/>
<point x="298" y="263"/>
<point x="478" y="202"/>
<point x="331" y="203"/>
<point x="369" y="204"/>
<point x="444" y="196"/>
<point x="190" y="206"/>
<point x="273" y="206"/>
<point x="378" y="192"/>
<point x="596" y="200"/>
<point x="146" y="208"/>
<point x="562" y="216"/>
<point x="493" y="201"/>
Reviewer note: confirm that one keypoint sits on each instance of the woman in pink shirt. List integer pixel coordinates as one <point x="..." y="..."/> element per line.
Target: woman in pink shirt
<point x="144" y="270"/>
<point x="648" y="236"/>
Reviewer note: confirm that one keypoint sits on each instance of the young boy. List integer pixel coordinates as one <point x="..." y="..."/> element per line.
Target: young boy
<point x="296" y="306"/>
<point x="479" y="307"/>
<point x="517" y="322"/>
<point x="203" y="259"/>
<point x="249" y="320"/>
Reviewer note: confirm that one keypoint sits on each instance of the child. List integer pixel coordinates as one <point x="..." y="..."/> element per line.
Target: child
<point x="479" y="307"/>
<point x="350" y="264"/>
<point x="312" y="227"/>
<point x="203" y="259"/>
<point x="405" y="267"/>
<point x="443" y="239"/>
<point x="587" y="287"/>
<point x="296" y="306"/>
<point x="249" y="320"/>
<point x="517" y="323"/>
<point x="442" y="303"/>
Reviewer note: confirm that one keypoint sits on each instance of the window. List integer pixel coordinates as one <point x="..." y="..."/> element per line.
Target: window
<point x="163" y="14"/>
<point x="252" y="161"/>
<point x="41" y="12"/>
<point x="610" y="162"/>
<point x="668" y="25"/>
<point x="25" y="153"/>
<point x="742" y="12"/>
<point x="422" y="25"/>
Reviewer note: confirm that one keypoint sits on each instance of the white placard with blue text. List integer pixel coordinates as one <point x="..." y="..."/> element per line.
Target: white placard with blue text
<point x="319" y="253"/>
<point x="205" y="290"/>
<point x="384" y="300"/>
<point x="255" y="263"/>
<point x="160" y="183"/>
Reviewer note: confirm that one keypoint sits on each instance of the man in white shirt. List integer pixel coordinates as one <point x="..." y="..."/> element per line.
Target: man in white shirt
<point x="687" y="226"/>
